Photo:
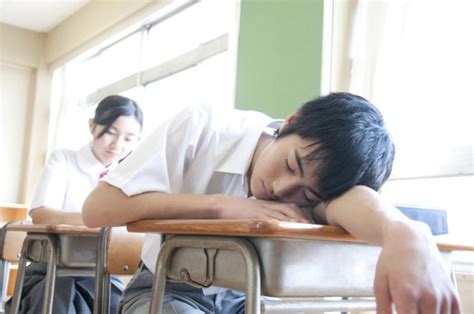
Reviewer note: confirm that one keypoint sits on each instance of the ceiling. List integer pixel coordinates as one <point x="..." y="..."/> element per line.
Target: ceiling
<point x="38" y="15"/>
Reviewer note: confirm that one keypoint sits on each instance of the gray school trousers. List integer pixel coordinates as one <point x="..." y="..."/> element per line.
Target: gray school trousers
<point x="72" y="295"/>
<point x="179" y="297"/>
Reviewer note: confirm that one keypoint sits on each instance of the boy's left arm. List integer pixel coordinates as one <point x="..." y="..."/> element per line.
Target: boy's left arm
<point x="410" y="272"/>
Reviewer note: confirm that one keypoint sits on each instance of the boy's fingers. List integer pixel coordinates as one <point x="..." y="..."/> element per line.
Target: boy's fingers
<point x="455" y="306"/>
<point x="290" y="211"/>
<point x="295" y="213"/>
<point x="406" y="301"/>
<point x="277" y="215"/>
<point x="383" y="299"/>
<point x="445" y="307"/>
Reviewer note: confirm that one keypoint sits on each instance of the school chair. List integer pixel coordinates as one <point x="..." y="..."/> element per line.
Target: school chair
<point x="118" y="254"/>
<point x="67" y="250"/>
<point x="10" y="246"/>
<point x="296" y="265"/>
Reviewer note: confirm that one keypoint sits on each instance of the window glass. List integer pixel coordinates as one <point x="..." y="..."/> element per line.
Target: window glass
<point x="167" y="96"/>
<point x="119" y="60"/>
<point x="219" y="18"/>
<point x="422" y="87"/>
<point x="174" y="36"/>
<point x="451" y="194"/>
<point x="216" y="80"/>
<point x="185" y="31"/>
<point x="416" y="66"/>
<point x="114" y="63"/>
<point x="105" y="68"/>
<point x="207" y="83"/>
<point x="81" y="79"/>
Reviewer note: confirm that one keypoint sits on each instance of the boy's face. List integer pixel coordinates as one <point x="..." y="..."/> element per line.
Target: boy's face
<point x="280" y="173"/>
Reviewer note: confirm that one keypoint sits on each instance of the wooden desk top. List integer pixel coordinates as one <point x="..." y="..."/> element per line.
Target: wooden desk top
<point x="268" y="228"/>
<point x="56" y="229"/>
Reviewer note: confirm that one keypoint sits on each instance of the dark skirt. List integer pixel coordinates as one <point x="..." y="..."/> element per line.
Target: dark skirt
<point x="71" y="294"/>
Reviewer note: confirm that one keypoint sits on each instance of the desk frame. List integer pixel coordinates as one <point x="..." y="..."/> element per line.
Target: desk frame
<point x="48" y="237"/>
<point x="50" y="274"/>
<point x="102" y="278"/>
<point x="234" y="235"/>
<point x="252" y="304"/>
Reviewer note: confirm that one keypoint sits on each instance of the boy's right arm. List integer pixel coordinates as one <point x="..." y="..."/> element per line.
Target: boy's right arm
<point x="107" y="205"/>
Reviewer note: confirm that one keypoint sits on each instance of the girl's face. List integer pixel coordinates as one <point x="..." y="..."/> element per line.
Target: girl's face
<point x="117" y="142"/>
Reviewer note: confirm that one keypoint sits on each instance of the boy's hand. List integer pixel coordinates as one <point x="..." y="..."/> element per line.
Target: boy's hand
<point x="411" y="275"/>
<point x="230" y="207"/>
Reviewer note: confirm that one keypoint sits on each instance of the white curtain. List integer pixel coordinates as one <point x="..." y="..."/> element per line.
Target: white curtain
<point x="68" y="118"/>
<point x="414" y="60"/>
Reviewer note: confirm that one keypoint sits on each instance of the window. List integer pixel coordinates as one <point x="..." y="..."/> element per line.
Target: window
<point x="413" y="59"/>
<point x="178" y="57"/>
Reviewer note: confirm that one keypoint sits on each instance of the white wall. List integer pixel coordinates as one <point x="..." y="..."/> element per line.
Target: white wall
<point x="22" y="84"/>
<point x="15" y="82"/>
<point x="20" y="46"/>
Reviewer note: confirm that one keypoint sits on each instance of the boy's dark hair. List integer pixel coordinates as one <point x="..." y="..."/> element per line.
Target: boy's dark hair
<point x="113" y="107"/>
<point x="349" y="138"/>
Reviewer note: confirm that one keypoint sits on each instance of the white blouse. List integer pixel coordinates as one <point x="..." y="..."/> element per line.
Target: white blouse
<point x="68" y="178"/>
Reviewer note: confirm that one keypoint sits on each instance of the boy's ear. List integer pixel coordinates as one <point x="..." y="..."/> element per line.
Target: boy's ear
<point x="288" y="120"/>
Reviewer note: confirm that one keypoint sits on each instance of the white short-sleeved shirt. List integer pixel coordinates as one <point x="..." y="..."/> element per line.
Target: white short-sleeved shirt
<point x="68" y="178"/>
<point x="199" y="151"/>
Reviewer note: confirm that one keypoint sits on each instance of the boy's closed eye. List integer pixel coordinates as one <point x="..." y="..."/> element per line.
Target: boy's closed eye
<point x="288" y="167"/>
<point x="309" y="195"/>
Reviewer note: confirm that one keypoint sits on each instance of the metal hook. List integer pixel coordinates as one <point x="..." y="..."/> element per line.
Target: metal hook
<point x="210" y="268"/>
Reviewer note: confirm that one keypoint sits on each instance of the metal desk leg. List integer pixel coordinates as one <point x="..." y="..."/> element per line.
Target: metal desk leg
<point x="4" y="269"/>
<point x="50" y="274"/>
<point x="19" y="279"/>
<point x="4" y="276"/>
<point x="102" y="281"/>
<point x="252" y="303"/>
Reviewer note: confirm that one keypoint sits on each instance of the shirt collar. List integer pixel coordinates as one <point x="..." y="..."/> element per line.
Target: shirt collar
<point x="239" y="159"/>
<point x="89" y="163"/>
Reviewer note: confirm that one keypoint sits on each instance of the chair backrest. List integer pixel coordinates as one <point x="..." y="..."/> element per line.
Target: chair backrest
<point x="11" y="241"/>
<point x="123" y="251"/>
<point x="12" y="244"/>
<point x="435" y="218"/>
<point x="12" y="212"/>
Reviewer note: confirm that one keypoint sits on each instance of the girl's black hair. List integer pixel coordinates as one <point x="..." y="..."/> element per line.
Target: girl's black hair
<point x="113" y="107"/>
<point x="349" y="138"/>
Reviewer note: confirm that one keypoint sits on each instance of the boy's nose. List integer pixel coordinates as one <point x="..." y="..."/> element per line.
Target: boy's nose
<point x="285" y="187"/>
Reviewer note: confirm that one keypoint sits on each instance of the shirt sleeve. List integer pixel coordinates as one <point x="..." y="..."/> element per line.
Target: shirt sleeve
<point x="160" y="161"/>
<point x="52" y="187"/>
